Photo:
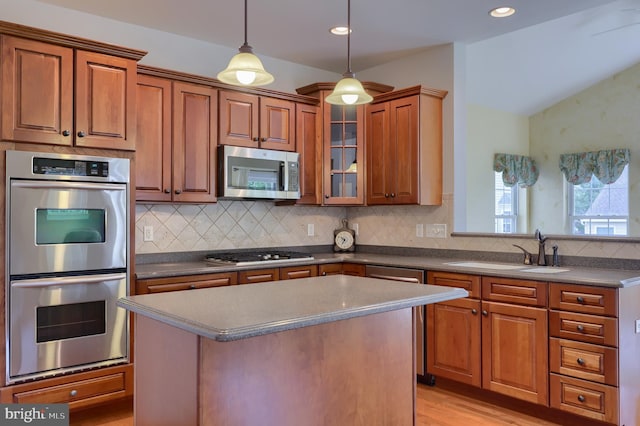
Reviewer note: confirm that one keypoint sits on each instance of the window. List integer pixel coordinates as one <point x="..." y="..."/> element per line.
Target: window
<point x="599" y="209"/>
<point x="506" y="206"/>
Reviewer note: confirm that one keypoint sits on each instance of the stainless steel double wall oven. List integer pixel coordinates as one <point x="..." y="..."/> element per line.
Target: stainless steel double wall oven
<point x="67" y="263"/>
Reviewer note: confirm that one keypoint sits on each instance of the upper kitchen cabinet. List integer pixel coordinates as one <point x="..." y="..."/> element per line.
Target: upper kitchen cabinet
<point x="176" y="149"/>
<point x="256" y="121"/>
<point x="56" y="93"/>
<point x="342" y="146"/>
<point x="404" y="147"/>
<point x="309" y="146"/>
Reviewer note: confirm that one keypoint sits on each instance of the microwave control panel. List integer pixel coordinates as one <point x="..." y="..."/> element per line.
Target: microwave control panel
<point x="294" y="176"/>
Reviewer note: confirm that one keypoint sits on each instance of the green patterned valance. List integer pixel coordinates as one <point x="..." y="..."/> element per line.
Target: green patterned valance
<point x="607" y="165"/>
<point x="516" y="169"/>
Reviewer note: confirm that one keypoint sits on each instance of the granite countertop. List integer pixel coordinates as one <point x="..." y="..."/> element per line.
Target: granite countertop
<point x="570" y="274"/>
<point x="242" y="311"/>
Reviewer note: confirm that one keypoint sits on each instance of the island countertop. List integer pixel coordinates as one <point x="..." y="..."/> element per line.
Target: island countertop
<point x="242" y="311"/>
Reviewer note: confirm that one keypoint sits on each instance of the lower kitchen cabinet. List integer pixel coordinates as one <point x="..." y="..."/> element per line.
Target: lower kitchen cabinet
<point x="190" y="282"/>
<point x="293" y="272"/>
<point x="258" y="276"/>
<point x="79" y="390"/>
<point x="497" y="343"/>
<point x="355" y="269"/>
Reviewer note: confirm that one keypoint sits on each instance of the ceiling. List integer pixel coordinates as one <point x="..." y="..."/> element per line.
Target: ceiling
<point x="297" y="30"/>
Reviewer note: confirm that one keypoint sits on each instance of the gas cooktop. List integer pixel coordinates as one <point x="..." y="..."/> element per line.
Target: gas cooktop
<point x="257" y="258"/>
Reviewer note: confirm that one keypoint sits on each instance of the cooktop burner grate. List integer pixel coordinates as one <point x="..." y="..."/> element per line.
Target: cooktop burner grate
<point x="258" y="258"/>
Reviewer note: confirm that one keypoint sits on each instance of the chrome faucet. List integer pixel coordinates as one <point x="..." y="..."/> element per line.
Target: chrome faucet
<point x="542" y="256"/>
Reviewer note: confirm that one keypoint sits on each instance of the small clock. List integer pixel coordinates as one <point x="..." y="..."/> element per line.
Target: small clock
<point x="344" y="239"/>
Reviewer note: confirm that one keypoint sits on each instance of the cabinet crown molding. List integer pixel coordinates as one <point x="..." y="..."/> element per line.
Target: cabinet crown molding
<point x="10" y="28"/>
<point x="409" y="91"/>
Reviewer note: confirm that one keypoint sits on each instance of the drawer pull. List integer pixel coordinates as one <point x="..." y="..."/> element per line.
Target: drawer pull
<point x="581" y="398"/>
<point x="73" y="392"/>
<point x="485" y="313"/>
<point x="580" y="361"/>
<point x="580" y="299"/>
<point x="580" y="327"/>
<point x="192" y="286"/>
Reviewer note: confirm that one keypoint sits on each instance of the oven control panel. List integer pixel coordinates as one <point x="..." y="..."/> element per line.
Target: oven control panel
<point x="67" y="167"/>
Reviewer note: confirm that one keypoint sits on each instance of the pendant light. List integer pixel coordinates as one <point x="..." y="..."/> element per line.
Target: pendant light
<point x="245" y="68"/>
<point x="349" y="90"/>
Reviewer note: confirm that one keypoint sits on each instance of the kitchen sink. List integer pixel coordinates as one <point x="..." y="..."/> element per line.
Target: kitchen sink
<point x="485" y="265"/>
<point x="545" y="270"/>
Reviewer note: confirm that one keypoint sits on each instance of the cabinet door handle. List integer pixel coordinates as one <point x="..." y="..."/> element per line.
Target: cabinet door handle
<point x="580" y="327"/>
<point x="66" y="133"/>
<point x="73" y="392"/>
<point x="393" y="195"/>
<point x="263" y="139"/>
<point x="386" y="195"/>
<point x="178" y="191"/>
<point x="255" y="139"/>
<point x="167" y="191"/>
<point x="81" y="134"/>
<point x="581" y="398"/>
<point x="192" y="286"/>
<point x="485" y="313"/>
<point x="580" y="299"/>
<point x="580" y="361"/>
<point x="474" y="311"/>
<point x="326" y="196"/>
<point x="324" y="274"/>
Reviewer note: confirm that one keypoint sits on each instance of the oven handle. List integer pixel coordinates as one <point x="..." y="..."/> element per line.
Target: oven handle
<point x="67" y="185"/>
<point x="84" y="279"/>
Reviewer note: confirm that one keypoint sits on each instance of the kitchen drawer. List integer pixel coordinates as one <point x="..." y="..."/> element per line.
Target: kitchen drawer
<point x="593" y="400"/>
<point x="187" y="282"/>
<point x="471" y="283"/>
<point x="293" y="272"/>
<point x="355" y="269"/>
<point x="258" y="276"/>
<point x="72" y="392"/>
<point x="585" y="299"/>
<point x="583" y="327"/>
<point x="584" y="361"/>
<point x="521" y="292"/>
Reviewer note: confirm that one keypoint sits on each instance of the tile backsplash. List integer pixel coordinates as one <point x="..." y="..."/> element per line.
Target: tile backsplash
<point x="245" y="224"/>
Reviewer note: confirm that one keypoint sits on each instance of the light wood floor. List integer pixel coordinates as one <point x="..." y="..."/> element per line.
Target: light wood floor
<point x="435" y="407"/>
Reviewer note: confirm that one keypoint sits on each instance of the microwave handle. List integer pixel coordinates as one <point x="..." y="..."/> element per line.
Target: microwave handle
<point x="67" y="185"/>
<point x="283" y="177"/>
<point x="84" y="279"/>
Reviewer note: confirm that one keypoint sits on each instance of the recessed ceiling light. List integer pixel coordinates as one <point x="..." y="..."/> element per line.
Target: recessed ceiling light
<point x="502" y="12"/>
<point x="339" y="30"/>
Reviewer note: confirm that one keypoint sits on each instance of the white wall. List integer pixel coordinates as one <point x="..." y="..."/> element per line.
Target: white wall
<point x="490" y="131"/>
<point x="604" y="116"/>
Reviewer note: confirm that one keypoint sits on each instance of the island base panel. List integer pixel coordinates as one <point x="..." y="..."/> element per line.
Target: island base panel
<point x="358" y="371"/>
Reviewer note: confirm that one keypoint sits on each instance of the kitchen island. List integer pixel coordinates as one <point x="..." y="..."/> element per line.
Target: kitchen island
<point x="326" y="350"/>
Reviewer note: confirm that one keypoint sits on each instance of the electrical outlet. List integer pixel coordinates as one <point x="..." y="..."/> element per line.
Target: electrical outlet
<point x="436" y="230"/>
<point x="310" y="230"/>
<point x="354" y="226"/>
<point x="637" y="326"/>
<point x="148" y="233"/>
<point x="419" y="230"/>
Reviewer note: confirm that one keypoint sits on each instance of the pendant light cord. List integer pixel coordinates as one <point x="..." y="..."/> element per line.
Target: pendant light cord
<point x="245" y="48"/>
<point x="348" y="38"/>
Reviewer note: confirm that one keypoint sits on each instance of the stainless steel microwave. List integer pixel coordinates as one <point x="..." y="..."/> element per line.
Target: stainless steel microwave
<point x="258" y="173"/>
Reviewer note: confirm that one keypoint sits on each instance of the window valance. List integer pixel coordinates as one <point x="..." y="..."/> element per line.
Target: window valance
<point x="607" y="165"/>
<point x="516" y="169"/>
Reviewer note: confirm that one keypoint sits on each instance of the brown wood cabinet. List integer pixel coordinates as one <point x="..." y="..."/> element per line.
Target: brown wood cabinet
<point x="404" y="147"/>
<point x="309" y="146"/>
<point x="355" y="269"/>
<point x="496" y="339"/>
<point x="256" y="121"/>
<point x="258" y="276"/>
<point x="58" y="95"/>
<point x="176" y="156"/>
<point x="343" y="145"/>
<point x="586" y="355"/>
<point x="79" y="390"/>
<point x="189" y="282"/>
<point x="293" y="272"/>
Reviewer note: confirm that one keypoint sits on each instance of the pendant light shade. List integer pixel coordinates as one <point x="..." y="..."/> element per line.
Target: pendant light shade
<point x="349" y="90"/>
<point x="245" y="68"/>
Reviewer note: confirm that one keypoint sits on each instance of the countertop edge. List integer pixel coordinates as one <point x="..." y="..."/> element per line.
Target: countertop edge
<point x="226" y="335"/>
